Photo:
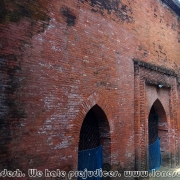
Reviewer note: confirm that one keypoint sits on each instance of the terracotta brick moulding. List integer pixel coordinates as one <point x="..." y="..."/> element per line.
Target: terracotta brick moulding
<point x="158" y="87"/>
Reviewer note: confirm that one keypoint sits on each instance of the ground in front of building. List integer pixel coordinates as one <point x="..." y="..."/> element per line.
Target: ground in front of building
<point x="166" y="173"/>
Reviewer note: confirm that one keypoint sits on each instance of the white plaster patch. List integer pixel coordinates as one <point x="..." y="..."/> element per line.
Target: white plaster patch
<point x="62" y="145"/>
<point x="51" y="25"/>
<point x="39" y="37"/>
<point x="55" y="46"/>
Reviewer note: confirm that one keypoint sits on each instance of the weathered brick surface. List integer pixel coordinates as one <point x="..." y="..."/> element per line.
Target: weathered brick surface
<point x="60" y="58"/>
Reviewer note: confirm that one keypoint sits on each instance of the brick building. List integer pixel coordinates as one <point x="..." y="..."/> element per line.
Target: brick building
<point x="67" y="64"/>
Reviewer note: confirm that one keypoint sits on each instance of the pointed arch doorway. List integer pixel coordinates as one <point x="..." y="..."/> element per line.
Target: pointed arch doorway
<point x="157" y="136"/>
<point x="94" y="142"/>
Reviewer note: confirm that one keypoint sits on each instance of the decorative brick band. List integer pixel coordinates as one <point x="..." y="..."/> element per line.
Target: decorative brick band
<point x="154" y="67"/>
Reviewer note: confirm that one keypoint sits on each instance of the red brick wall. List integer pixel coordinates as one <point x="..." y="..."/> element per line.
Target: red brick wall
<point x="60" y="58"/>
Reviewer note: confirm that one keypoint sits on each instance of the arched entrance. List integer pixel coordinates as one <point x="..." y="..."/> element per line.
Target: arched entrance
<point x="94" y="141"/>
<point x="157" y="136"/>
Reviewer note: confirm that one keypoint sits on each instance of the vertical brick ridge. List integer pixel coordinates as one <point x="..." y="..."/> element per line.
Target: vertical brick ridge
<point x="175" y="126"/>
<point x="142" y="125"/>
<point x="137" y="116"/>
<point x="178" y="125"/>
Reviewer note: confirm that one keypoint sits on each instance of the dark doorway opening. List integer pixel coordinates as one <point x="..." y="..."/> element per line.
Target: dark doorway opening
<point x="89" y="135"/>
<point x="95" y="137"/>
<point x="158" y="134"/>
<point x="153" y="125"/>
